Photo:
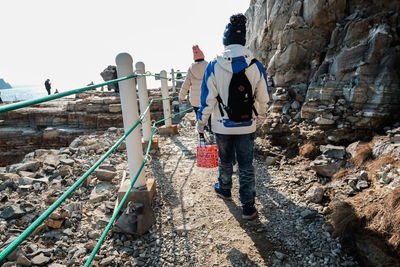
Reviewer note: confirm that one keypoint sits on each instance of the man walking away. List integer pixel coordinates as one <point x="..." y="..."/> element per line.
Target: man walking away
<point x="47" y="84"/>
<point x="234" y="91"/>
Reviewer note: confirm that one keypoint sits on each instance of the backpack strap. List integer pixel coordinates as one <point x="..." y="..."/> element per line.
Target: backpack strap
<point x="255" y="111"/>
<point x="254" y="60"/>
<point x="220" y="105"/>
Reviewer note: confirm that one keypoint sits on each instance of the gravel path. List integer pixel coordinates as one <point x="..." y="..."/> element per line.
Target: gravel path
<point x="193" y="227"/>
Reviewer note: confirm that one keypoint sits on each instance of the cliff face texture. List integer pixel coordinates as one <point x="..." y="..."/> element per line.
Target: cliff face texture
<point x="346" y="53"/>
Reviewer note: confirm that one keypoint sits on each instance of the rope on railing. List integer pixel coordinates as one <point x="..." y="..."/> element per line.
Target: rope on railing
<point x="108" y="227"/>
<point x="11" y="247"/>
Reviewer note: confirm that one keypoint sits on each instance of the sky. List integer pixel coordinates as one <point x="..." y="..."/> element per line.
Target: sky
<point x="71" y="42"/>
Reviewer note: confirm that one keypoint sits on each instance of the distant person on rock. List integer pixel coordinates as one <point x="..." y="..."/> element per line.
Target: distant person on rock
<point x="193" y="79"/>
<point x="56" y="91"/>
<point x="47" y="84"/>
<point x="235" y="94"/>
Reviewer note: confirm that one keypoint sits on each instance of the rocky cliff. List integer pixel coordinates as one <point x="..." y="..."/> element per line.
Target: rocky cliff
<point x="342" y="55"/>
<point x="4" y="84"/>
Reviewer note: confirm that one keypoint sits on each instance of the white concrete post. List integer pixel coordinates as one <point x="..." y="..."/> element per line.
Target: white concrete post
<point x="173" y="80"/>
<point x="130" y="115"/>
<point x="164" y="94"/>
<point x="143" y="101"/>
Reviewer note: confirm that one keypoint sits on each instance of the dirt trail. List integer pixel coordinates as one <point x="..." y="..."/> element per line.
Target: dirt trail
<point x="193" y="226"/>
<point x="198" y="229"/>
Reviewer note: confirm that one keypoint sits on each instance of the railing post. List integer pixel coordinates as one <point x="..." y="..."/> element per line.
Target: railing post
<point x="173" y="81"/>
<point x="130" y="115"/>
<point x="164" y="94"/>
<point x="143" y="101"/>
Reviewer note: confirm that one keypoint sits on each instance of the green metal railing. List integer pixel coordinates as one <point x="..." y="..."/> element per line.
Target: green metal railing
<point x="36" y="101"/>
<point x="13" y="245"/>
<point x="28" y="103"/>
<point x="108" y="227"/>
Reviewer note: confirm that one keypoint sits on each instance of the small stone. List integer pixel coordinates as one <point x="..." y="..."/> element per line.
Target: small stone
<point x="326" y="167"/>
<point x="295" y="105"/>
<point x="333" y="152"/>
<point x="40" y="259"/>
<point x="362" y="184"/>
<point x="12" y="212"/>
<point x="324" y="121"/>
<point x="30" y="166"/>
<point x="69" y="162"/>
<point x="105" y="175"/>
<point x="308" y="214"/>
<point x="53" y="223"/>
<point x="90" y="245"/>
<point x="22" y="260"/>
<point x="315" y="194"/>
<point x="107" y="261"/>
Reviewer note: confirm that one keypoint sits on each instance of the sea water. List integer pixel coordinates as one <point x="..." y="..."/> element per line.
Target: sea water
<point x="24" y="92"/>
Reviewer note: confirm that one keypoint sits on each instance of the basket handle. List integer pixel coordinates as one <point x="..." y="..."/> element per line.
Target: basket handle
<point x="202" y="141"/>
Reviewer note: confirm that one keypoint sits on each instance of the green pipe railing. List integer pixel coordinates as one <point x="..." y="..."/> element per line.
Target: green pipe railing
<point x="109" y="225"/>
<point x="36" y="101"/>
<point x="11" y="247"/>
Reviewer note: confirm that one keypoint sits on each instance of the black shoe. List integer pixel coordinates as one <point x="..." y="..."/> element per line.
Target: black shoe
<point x="249" y="211"/>
<point x="222" y="193"/>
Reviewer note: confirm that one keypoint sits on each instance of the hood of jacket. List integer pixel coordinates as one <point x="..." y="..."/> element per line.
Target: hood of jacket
<point x="197" y="69"/>
<point x="234" y="58"/>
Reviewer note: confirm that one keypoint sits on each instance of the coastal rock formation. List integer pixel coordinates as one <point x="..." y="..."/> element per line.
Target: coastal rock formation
<point x="56" y="123"/>
<point x="346" y="54"/>
<point x="4" y="84"/>
<point x="335" y="66"/>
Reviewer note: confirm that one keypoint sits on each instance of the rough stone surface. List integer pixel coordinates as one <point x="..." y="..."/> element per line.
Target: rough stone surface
<point x="191" y="222"/>
<point x="326" y="167"/>
<point x="40" y="259"/>
<point x="315" y="194"/>
<point x="105" y="175"/>
<point x="347" y="51"/>
<point x="56" y="123"/>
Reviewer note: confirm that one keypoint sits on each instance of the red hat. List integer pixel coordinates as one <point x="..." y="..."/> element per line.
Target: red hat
<point x="197" y="53"/>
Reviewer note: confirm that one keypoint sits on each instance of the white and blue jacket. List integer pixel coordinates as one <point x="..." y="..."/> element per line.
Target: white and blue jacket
<point x="216" y="81"/>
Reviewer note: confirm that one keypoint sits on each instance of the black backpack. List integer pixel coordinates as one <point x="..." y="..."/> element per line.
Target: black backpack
<point x="240" y="100"/>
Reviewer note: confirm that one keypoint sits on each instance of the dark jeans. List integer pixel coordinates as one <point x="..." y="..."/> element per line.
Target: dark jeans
<point x="243" y="145"/>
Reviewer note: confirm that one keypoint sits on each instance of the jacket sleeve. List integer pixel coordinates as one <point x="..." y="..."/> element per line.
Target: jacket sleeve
<point x="262" y="91"/>
<point x="185" y="86"/>
<point x="209" y="93"/>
